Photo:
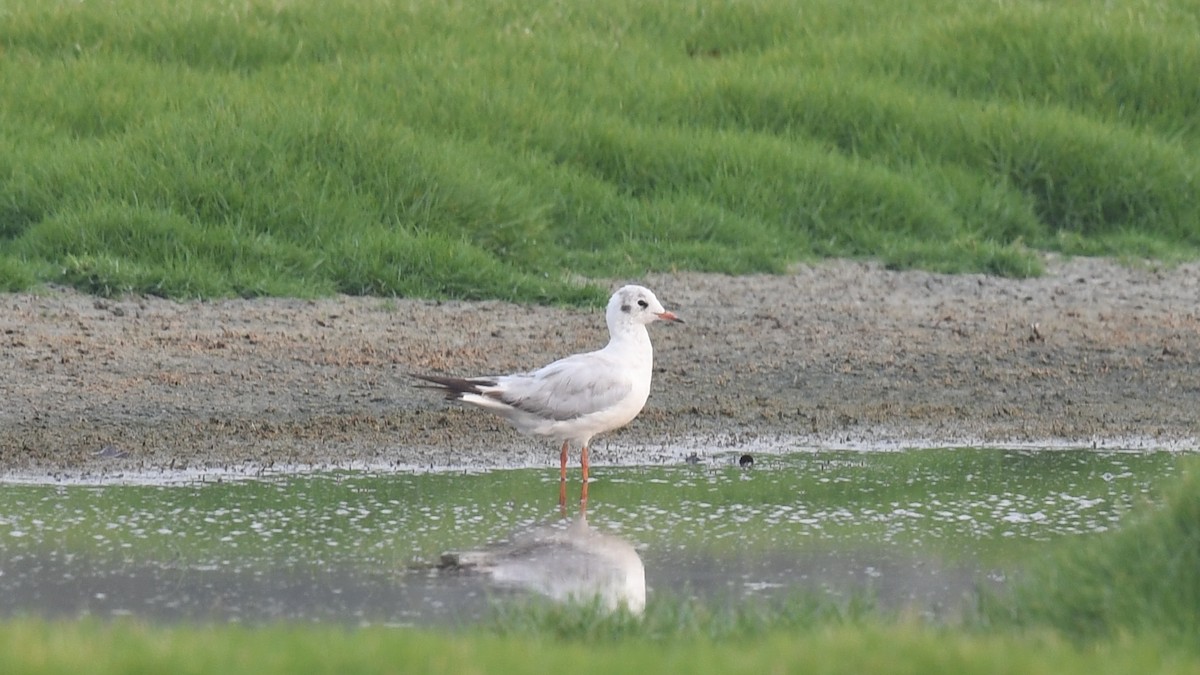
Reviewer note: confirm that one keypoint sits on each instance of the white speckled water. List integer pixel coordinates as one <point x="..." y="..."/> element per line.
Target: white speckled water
<point x="921" y="528"/>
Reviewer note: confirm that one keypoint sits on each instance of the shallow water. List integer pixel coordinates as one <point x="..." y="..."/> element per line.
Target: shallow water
<point x="918" y="528"/>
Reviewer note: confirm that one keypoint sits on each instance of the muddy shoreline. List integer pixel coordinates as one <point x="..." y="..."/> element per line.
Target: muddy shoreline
<point x="837" y="354"/>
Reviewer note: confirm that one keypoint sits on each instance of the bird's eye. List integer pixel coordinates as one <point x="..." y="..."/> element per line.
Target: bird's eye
<point x="643" y="304"/>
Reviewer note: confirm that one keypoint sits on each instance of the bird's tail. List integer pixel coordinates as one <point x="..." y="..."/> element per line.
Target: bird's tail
<point x="454" y="387"/>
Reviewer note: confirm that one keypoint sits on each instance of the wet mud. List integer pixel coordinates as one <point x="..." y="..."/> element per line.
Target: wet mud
<point x="836" y="354"/>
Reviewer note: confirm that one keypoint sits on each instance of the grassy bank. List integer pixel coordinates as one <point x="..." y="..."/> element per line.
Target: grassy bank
<point x="506" y="149"/>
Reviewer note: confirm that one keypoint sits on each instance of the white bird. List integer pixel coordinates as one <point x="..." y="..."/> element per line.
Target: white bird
<point x="577" y="397"/>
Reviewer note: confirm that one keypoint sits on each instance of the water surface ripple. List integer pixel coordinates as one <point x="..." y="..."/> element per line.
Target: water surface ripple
<point x="921" y="528"/>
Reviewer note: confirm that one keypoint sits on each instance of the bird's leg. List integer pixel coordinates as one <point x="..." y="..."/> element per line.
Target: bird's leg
<point x="584" y="490"/>
<point x="562" y="480"/>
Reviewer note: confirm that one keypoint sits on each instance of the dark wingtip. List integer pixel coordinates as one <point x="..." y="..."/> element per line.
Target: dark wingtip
<point x="454" y="387"/>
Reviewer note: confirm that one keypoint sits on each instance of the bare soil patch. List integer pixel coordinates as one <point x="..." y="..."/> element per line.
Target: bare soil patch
<point x="835" y="354"/>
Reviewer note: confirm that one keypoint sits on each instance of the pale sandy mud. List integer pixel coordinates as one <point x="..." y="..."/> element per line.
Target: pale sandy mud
<point x="838" y="354"/>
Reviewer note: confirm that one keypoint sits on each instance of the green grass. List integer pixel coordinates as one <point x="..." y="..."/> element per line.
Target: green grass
<point x="518" y="150"/>
<point x="1143" y="579"/>
<point x="128" y="647"/>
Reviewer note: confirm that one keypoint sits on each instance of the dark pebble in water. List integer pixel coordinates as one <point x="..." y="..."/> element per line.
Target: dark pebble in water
<point x="745" y="461"/>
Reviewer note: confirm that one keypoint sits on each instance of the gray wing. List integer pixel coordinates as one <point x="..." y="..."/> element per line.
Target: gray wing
<point x="568" y="388"/>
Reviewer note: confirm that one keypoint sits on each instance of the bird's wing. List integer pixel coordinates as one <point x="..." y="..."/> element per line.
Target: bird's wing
<point x="568" y="388"/>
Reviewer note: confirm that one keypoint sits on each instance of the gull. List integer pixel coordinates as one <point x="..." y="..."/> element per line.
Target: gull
<point x="579" y="396"/>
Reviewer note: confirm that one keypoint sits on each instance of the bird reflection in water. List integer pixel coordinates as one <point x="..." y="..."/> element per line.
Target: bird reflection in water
<point x="572" y="564"/>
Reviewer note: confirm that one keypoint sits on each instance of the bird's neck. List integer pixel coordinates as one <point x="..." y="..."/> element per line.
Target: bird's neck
<point x="623" y="336"/>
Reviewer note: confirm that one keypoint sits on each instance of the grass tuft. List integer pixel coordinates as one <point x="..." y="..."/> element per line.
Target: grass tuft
<point x="1140" y="580"/>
